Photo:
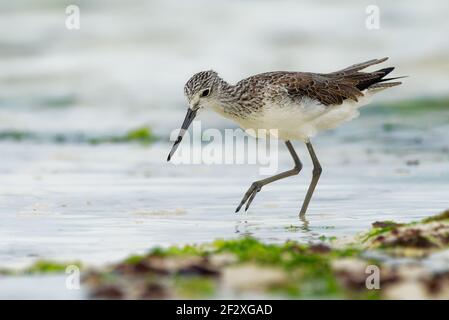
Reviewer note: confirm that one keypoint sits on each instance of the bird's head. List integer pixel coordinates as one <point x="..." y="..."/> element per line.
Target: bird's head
<point x="200" y="91"/>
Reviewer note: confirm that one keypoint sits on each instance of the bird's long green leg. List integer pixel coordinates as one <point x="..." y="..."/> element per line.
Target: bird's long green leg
<point x="257" y="185"/>
<point x="315" y="177"/>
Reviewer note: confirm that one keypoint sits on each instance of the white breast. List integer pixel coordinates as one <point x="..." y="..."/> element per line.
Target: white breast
<point x="302" y="121"/>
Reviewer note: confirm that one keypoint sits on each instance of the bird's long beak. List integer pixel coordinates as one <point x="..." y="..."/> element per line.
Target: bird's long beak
<point x="184" y="127"/>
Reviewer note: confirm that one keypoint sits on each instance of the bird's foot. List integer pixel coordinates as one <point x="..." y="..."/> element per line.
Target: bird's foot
<point x="249" y="196"/>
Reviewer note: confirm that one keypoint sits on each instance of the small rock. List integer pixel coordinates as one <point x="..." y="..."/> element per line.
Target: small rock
<point x="107" y="292"/>
<point x="351" y="272"/>
<point x="386" y="224"/>
<point x="408" y="290"/>
<point x="250" y="277"/>
<point x="319" y="248"/>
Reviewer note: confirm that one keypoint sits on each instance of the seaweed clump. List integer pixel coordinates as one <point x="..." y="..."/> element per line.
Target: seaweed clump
<point x="243" y="267"/>
<point x="413" y="239"/>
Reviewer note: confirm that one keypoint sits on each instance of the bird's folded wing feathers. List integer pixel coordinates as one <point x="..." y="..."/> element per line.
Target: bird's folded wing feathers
<point x="333" y="88"/>
<point x="327" y="90"/>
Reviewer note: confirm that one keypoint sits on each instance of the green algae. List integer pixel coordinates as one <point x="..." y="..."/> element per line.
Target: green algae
<point x="415" y="106"/>
<point x="414" y="239"/>
<point x="292" y="228"/>
<point x="142" y="135"/>
<point x="422" y="104"/>
<point x="306" y="271"/>
<point x="16" y="135"/>
<point x="327" y="239"/>
<point x="307" y="268"/>
<point x="375" y="232"/>
<point x="444" y="216"/>
<point x="47" y="266"/>
<point x="194" y="287"/>
<point x="186" y="250"/>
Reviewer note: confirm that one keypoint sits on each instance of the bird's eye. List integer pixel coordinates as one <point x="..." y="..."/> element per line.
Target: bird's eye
<point x="205" y="93"/>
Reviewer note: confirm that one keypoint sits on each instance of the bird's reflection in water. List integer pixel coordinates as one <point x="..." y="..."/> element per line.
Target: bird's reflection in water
<point x="305" y="223"/>
<point x="242" y="227"/>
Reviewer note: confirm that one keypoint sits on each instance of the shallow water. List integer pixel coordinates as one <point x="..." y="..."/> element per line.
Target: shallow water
<point x="101" y="203"/>
<point x="45" y="287"/>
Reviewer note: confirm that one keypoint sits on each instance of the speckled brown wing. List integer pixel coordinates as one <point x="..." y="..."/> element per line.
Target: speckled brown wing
<point x="331" y="88"/>
<point x="325" y="89"/>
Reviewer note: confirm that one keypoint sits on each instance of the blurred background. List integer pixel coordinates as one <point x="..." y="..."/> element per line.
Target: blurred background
<point x="85" y="117"/>
<point x="128" y="62"/>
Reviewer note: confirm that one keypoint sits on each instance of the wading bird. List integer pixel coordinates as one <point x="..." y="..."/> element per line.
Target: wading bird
<point x="296" y="104"/>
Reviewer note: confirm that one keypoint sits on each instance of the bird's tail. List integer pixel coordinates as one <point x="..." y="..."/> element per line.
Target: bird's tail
<point x="372" y="81"/>
<point x="378" y="80"/>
